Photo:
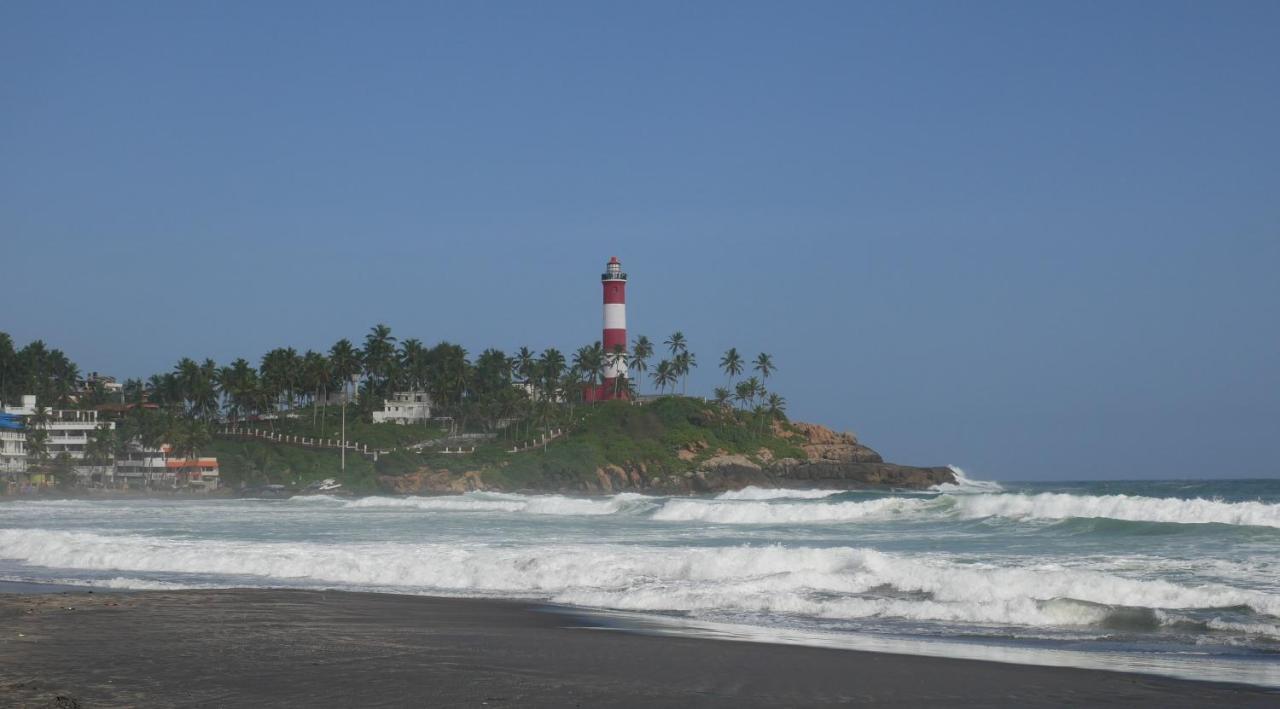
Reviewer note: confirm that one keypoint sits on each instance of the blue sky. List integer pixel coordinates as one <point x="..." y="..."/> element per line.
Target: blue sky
<point x="1036" y="240"/>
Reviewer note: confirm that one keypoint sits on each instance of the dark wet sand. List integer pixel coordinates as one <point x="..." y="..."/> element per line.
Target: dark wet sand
<point x="336" y="649"/>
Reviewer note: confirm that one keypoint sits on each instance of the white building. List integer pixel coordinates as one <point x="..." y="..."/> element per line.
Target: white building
<point x="13" y="451"/>
<point x="143" y="468"/>
<point x="405" y="407"/>
<point x="68" y="432"/>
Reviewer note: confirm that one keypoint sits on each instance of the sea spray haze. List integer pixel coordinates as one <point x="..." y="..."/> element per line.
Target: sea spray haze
<point x="1142" y="574"/>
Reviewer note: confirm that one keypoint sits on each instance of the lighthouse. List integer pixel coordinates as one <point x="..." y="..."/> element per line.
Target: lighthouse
<point x="615" y="327"/>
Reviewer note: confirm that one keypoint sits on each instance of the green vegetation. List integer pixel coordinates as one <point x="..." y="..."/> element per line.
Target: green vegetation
<point x="260" y="463"/>
<point x="516" y="398"/>
<point x="651" y="437"/>
<point x="381" y="436"/>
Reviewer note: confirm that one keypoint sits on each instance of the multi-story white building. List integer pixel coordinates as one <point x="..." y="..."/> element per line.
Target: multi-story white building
<point x="142" y="468"/>
<point x="13" y="447"/>
<point x="405" y="407"/>
<point x="68" y="432"/>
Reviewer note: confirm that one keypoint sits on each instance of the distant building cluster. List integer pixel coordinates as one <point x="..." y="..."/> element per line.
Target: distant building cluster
<point x="67" y="435"/>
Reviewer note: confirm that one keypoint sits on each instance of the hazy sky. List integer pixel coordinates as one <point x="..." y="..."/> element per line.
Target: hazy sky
<point x="1035" y="240"/>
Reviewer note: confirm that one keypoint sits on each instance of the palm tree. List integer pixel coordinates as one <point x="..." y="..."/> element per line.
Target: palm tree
<point x="205" y="395"/>
<point x="722" y="396"/>
<point x="8" y="366"/>
<point x="101" y="447"/>
<point x="414" y="364"/>
<point x="664" y="375"/>
<point x="755" y="388"/>
<point x="589" y="362"/>
<point x="550" y="368"/>
<point x="617" y="359"/>
<point x="38" y="437"/>
<point x="731" y="364"/>
<point x="764" y="365"/>
<point x="450" y="374"/>
<point x="187" y="373"/>
<point x="641" y="351"/>
<point x="344" y="360"/>
<point x="682" y="364"/>
<point x="316" y="376"/>
<point x="133" y="391"/>
<point x="239" y="384"/>
<point x="524" y="362"/>
<point x="776" y="405"/>
<point x="379" y="356"/>
<point x="676" y="343"/>
<point x="188" y="436"/>
<point x="743" y="393"/>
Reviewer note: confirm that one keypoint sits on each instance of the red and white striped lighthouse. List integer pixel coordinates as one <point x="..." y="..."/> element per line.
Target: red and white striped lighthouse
<point x="615" y="327"/>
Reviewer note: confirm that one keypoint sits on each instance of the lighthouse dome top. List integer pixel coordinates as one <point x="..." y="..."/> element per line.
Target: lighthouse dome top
<point x="613" y="271"/>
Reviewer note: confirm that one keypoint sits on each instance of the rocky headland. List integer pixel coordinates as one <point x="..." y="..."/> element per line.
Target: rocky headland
<point x="796" y="455"/>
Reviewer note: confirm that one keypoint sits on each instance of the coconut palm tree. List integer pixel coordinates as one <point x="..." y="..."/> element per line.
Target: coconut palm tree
<point x="380" y="357"/>
<point x="414" y="364"/>
<point x="684" y="362"/>
<point x="100" y="448"/>
<point x="37" y="426"/>
<point x="589" y="361"/>
<point x="524" y="362"/>
<point x="344" y="361"/>
<point x="617" y="359"/>
<point x="731" y="364"/>
<point x="776" y="406"/>
<point x="239" y="384"/>
<point x="722" y="397"/>
<point x="641" y="351"/>
<point x="664" y="375"/>
<point x="676" y="343"/>
<point x="206" y="392"/>
<point x="187" y="437"/>
<point x="764" y="365"/>
<point x="550" y="368"/>
<point x="187" y="373"/>
<point x="316" y="376"/>
<point x="743" y="393"/>
<point x="755" y="388"/>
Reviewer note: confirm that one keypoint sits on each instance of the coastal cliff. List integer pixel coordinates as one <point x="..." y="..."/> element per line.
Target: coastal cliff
<point x="676" y="446"/>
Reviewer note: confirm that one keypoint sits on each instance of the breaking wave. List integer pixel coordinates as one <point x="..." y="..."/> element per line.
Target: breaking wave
<point x="499" y="502"/>
<point x="964" y="485"/>
<point x="761" y="512"/>
<point x="764" y="493"/>
<point x="840" y="583"/>
<point x="768" y="506"/>
<point x="1050" y="505"/>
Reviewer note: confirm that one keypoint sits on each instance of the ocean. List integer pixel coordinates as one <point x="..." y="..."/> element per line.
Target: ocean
<point x="1180" y="578"/>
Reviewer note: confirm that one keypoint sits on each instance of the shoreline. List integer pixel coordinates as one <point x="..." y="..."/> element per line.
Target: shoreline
<point x="242" y="647"/>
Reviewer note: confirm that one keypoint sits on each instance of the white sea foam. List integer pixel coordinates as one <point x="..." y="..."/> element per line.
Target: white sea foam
<point x="500" y="502"/>
<point x="830" y="583"/>
<point x="763" y="512"/>
<point x="972" y="505"/>
<point x="1050" y="505"/>
<point x="765" y="493"/>
<point x="964" y="485"/>
<point x="316" y="498"/>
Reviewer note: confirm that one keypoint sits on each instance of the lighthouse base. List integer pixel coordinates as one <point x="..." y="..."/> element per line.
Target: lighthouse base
<point x="611" y="389"/>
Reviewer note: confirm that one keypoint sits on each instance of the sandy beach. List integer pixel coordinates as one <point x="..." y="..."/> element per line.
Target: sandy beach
<point x="314" y="648"/>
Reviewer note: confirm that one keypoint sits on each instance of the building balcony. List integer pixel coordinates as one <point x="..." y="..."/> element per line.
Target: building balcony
<point x="613" y="276"/>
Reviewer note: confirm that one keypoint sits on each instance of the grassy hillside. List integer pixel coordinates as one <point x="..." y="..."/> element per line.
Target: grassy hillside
<point x="652" y="436"/>
<point x="260" y="462"/>
<point x="328" y="423"/>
